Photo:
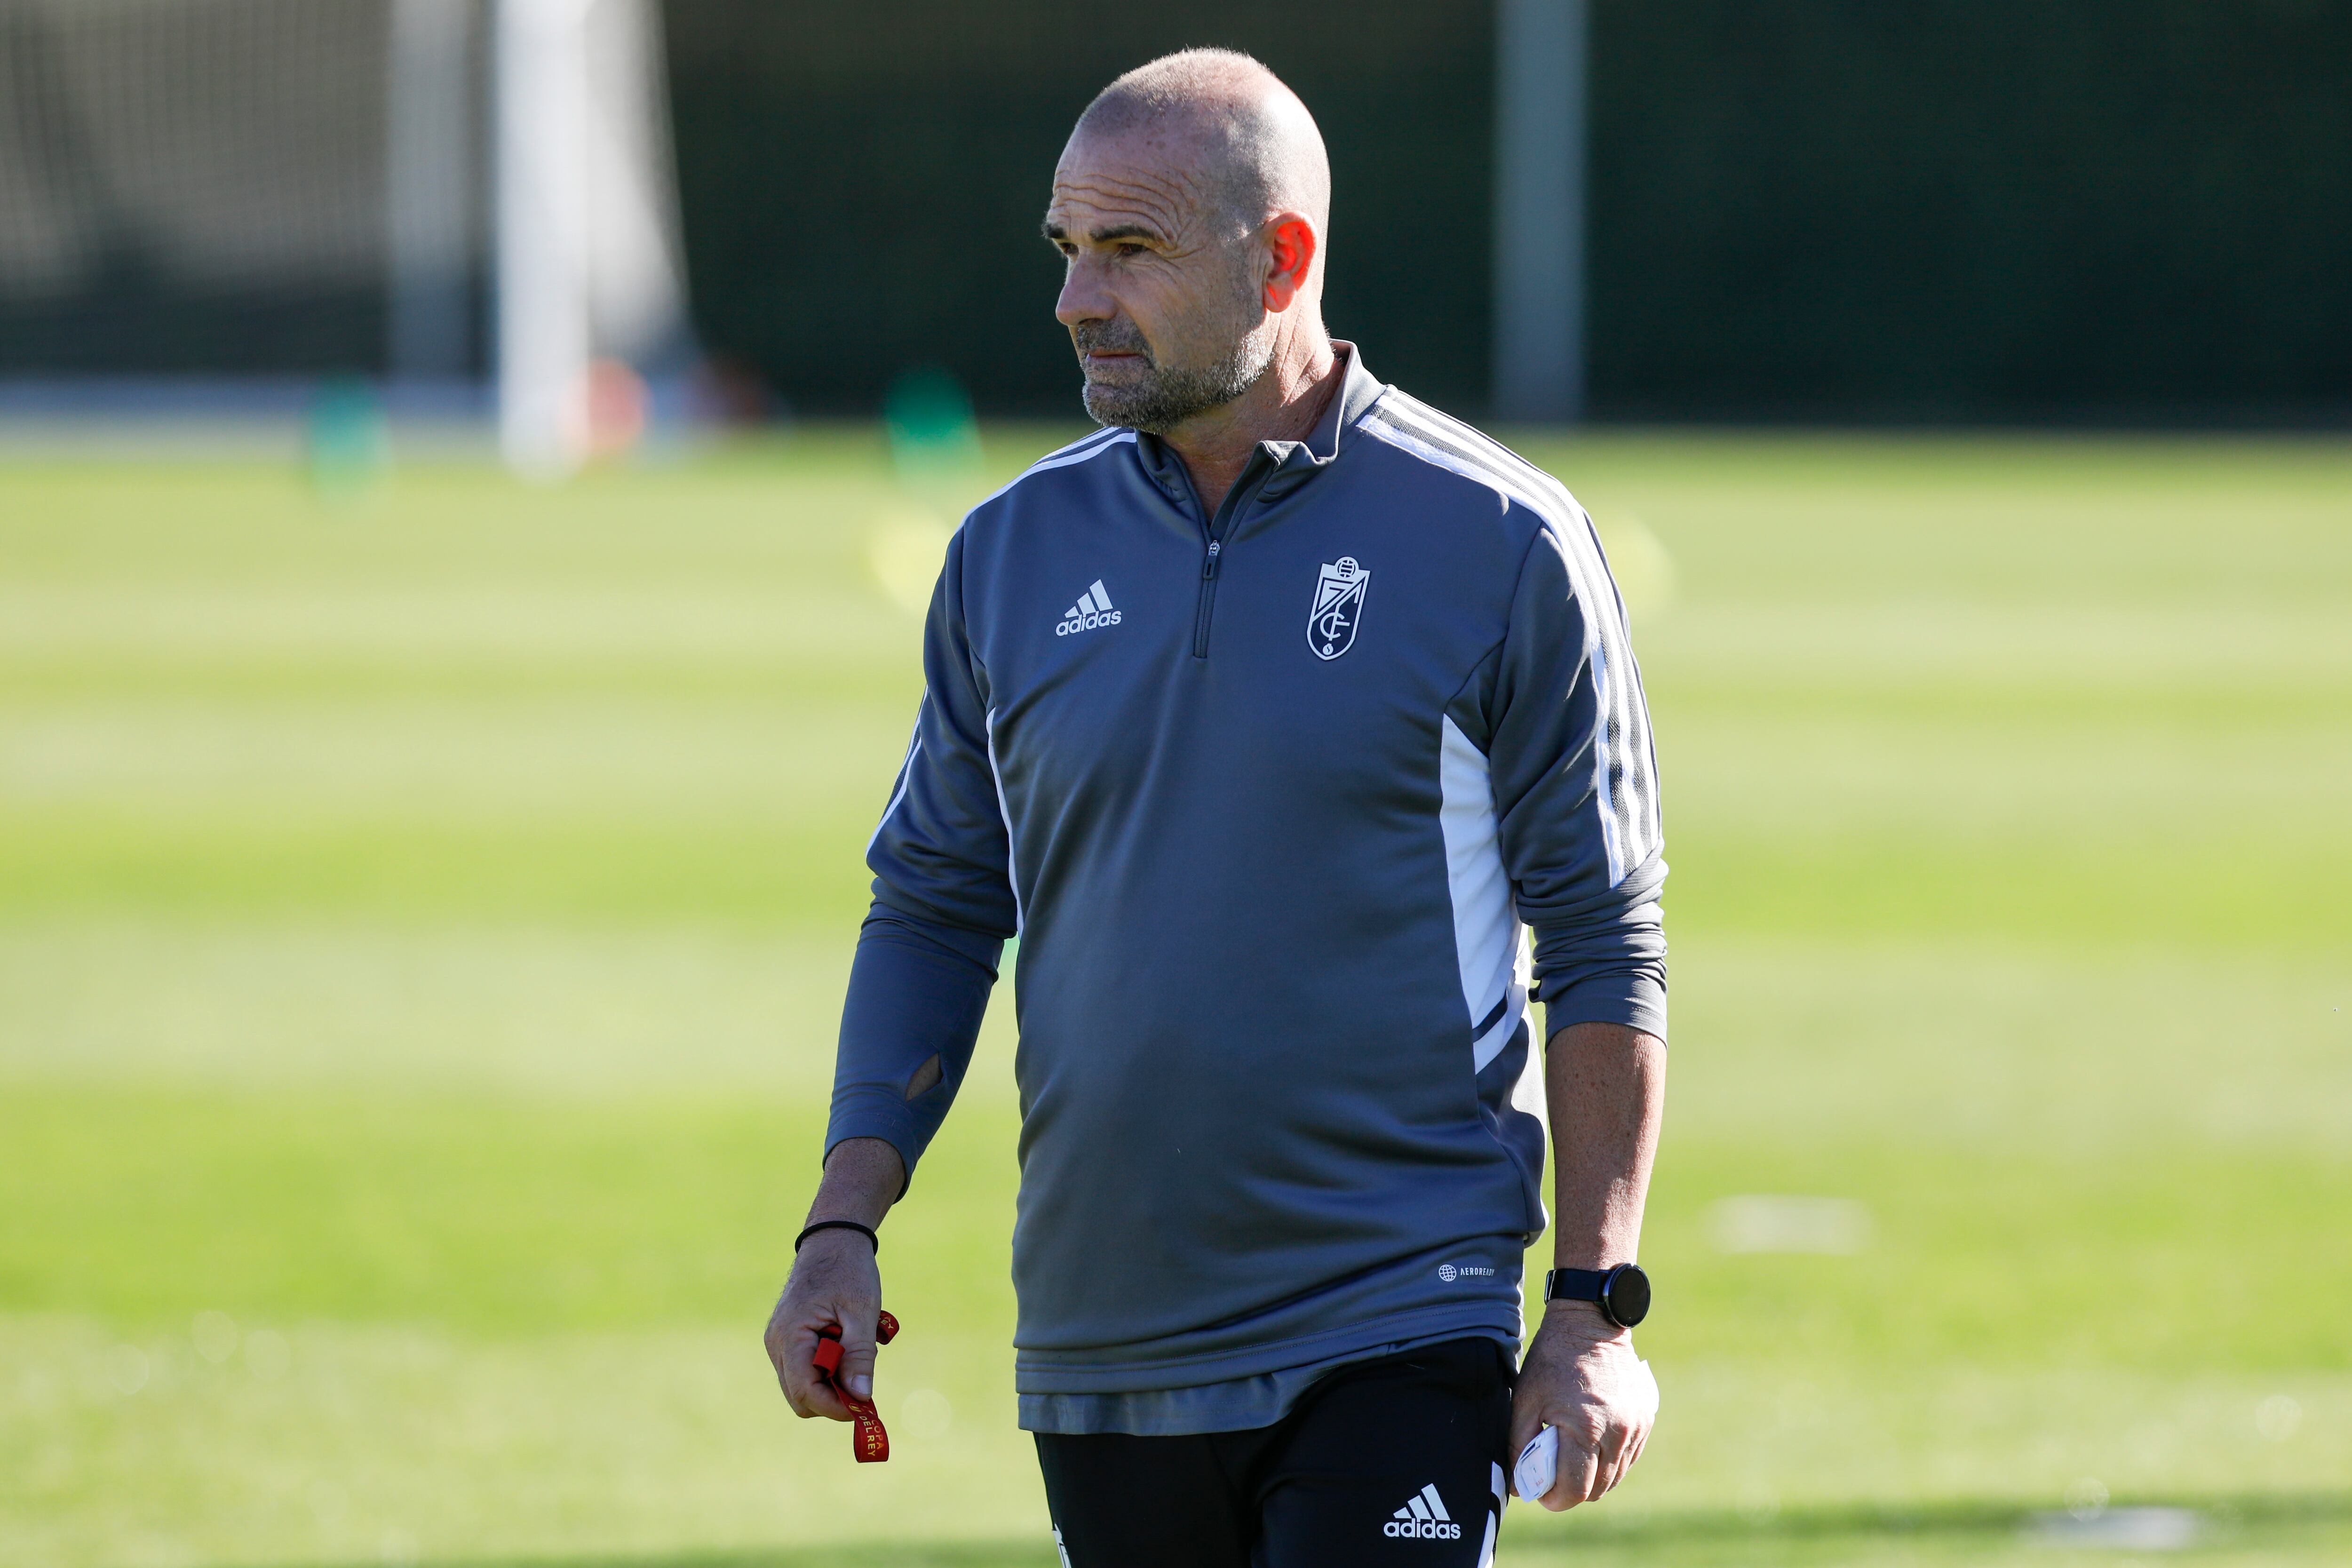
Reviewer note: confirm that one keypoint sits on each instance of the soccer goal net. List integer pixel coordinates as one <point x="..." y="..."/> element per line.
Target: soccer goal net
<point x="255" y="187"/>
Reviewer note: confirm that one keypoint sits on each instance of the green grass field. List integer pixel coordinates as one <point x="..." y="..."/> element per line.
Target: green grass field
<point x="421" y="921"/>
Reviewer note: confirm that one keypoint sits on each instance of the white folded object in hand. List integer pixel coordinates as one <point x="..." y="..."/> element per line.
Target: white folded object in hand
<point x="1539" y="1464"/>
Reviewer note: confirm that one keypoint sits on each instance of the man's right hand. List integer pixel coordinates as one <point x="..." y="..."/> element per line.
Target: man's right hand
<point x="835" y="1280"/>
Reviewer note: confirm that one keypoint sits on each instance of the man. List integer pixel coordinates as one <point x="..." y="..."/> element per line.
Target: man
<point x="1264" y="716"/>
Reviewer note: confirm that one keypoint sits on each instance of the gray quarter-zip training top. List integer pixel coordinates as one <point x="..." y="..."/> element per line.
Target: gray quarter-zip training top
<point x="1271" y="799"/>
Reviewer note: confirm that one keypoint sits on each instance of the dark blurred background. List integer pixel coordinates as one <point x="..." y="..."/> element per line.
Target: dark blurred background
<point x="2005" y="211"/>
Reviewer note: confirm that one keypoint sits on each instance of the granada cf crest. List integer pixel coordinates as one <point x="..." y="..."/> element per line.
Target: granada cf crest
<point x="1338" y="608"/>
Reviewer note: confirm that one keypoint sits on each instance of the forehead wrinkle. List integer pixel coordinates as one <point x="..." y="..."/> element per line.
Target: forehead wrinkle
<point x="1166" y="204"/>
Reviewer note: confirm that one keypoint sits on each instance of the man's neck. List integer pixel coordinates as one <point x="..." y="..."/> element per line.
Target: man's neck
<point x="1285" y="405"/>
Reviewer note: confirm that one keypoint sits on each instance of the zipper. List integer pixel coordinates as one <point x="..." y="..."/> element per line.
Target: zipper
<point x="1213" y="534"/>
<point x="1208" y="598"/>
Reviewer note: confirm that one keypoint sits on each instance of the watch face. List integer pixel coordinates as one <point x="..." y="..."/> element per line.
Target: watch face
<point x="1629" y="1295"/>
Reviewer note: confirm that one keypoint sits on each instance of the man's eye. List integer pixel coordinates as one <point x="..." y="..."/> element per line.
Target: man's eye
<point x="1129" y="247"/>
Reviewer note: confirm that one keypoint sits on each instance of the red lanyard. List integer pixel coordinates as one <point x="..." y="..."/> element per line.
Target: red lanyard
<point x="869" y="1443"/>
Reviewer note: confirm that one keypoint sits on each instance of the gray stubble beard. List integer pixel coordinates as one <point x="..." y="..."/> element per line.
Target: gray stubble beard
<point x="1167" y="396"/>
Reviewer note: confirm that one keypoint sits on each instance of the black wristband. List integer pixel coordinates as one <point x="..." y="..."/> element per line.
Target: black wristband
<point x="865" y="1230"/>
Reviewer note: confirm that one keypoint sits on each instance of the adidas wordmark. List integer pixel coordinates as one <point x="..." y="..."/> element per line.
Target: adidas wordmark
<point x="1093" y="609"/>
<point x="1422" y="1518"/>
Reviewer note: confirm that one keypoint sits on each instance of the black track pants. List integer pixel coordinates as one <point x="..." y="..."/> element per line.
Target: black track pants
<point x="1398" y="1461"/>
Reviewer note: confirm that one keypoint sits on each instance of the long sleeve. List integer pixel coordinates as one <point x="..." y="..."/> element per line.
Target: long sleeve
<point x="917" y="990"/>
<point x="1576" y="790"/>
<point x="940" y="851"/>
<point x="943" y="907"/>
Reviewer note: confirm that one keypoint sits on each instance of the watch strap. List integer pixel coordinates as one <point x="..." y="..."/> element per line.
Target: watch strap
<point x="1576" y="1284"/>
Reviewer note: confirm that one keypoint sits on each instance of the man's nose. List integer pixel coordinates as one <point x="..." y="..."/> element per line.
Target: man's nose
<point x="1082" y="297"/>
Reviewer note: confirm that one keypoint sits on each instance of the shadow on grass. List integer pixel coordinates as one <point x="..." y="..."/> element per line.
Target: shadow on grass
<point x="2313" y="1527"/>
<point x="2222" y="1514"/>
<point x="1956" y="1532"/>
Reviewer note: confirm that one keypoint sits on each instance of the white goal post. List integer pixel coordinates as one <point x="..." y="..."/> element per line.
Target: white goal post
<point x="543" y="347"/>
<point x="587" y="227"/>
<point x="227" y="201"/>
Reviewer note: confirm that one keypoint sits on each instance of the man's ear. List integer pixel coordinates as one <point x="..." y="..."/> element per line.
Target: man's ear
<point x="1293" y="242"/>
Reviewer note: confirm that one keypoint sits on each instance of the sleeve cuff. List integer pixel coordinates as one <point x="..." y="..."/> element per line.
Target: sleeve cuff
<point x="1635" y="1000"/>
<point x="883" y="1116"/>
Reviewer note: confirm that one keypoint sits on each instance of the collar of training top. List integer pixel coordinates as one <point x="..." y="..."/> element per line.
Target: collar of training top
<point x="1293" y="462"/>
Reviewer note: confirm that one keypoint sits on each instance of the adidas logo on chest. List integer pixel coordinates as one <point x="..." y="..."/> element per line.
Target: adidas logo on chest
<point x="1093" y="609"/>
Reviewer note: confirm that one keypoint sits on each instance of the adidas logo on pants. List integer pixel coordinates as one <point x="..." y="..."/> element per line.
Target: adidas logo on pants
<point x="1422" y="1518"/>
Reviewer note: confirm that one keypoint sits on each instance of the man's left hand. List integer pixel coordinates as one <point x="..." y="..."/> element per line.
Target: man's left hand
<point x="1580" y="1377"/>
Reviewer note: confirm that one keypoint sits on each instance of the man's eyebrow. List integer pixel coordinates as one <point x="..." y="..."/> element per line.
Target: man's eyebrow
<point x="1058" y="233"/>
<point x="1124" y="231"/>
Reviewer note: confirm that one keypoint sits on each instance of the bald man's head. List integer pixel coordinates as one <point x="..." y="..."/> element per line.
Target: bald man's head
<point x="1189" y="204"/>
<point x="1255" y="145"/>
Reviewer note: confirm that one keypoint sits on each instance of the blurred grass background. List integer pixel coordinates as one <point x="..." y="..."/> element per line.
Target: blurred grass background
<point x="421" y="922"/>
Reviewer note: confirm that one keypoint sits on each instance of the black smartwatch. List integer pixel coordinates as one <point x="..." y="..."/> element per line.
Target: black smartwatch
<point x="1623" y="1293"/>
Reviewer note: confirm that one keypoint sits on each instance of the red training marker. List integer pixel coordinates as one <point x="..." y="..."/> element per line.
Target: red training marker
<point x="869" y="1443"/>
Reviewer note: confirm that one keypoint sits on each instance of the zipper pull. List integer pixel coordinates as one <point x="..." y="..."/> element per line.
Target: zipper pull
<point x="1209" y="567"/>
